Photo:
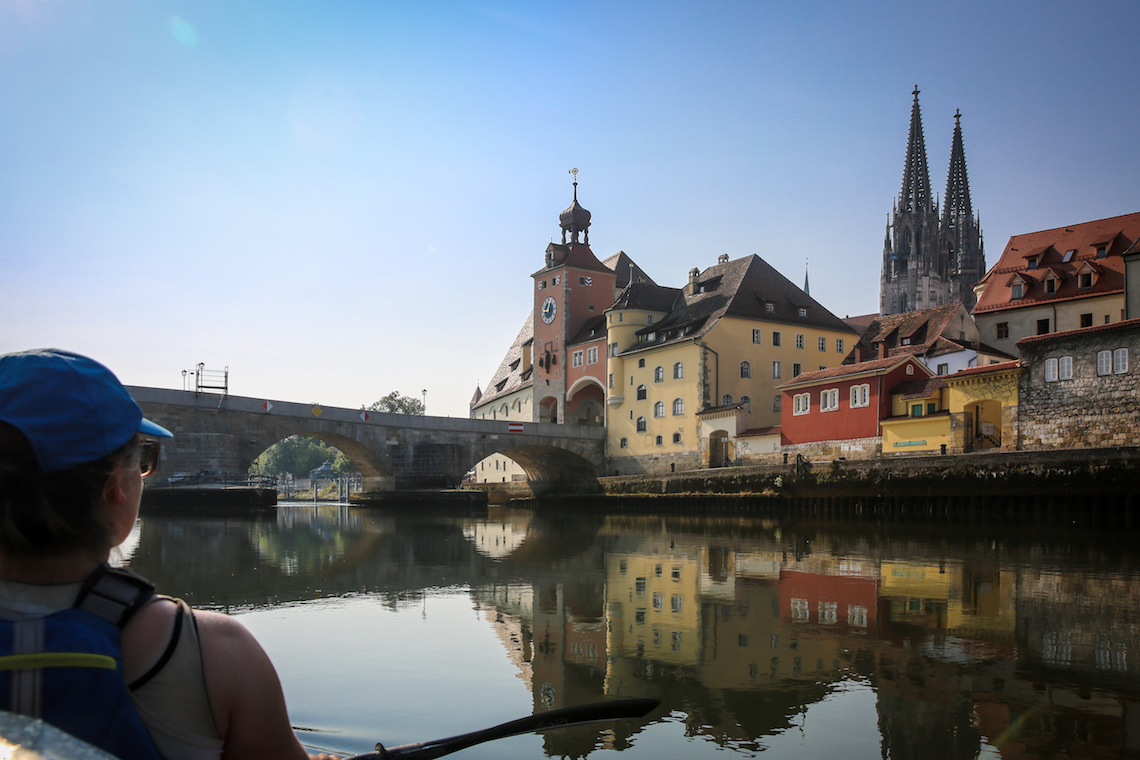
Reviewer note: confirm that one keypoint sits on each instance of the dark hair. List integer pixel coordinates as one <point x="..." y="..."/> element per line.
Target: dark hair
<point x="57" y="512"/>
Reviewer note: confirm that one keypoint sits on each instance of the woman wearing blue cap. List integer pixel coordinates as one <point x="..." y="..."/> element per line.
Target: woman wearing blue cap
<point x="74" y="449"/>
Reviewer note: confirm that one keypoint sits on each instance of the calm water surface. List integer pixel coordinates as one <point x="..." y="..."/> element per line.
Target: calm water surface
<point x="793" y="638"/>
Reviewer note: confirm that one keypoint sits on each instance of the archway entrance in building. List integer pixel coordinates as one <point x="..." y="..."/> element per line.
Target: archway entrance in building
<point x="548" y="410"/>
<point x="722" y="450"/>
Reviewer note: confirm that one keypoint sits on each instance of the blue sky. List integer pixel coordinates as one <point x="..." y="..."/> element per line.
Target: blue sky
<point x="338" y="200"/>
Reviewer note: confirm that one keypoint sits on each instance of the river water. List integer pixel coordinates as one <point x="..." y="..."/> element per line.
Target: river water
<point x="793" y="637"/>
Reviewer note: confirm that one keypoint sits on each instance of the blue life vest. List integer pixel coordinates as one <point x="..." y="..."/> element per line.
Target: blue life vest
<point x="67" y="668"/>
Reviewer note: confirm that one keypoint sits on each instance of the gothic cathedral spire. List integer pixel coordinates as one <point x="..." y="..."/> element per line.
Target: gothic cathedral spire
<point x="927" y="261"/>
<point x="961" y="231"/>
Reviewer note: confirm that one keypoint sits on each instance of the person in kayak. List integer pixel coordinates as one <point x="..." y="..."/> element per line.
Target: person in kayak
<point x="74" y="449"/>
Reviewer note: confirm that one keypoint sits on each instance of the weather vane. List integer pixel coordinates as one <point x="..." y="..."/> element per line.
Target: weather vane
<point x="574" y="171"/>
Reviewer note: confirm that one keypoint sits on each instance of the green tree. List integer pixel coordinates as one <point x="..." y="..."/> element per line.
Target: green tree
<point x="298" y="455"/>
<point x="394" y="403"/>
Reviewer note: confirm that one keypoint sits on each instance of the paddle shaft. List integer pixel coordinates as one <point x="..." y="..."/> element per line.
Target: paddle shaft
<point x="621" y="708"/>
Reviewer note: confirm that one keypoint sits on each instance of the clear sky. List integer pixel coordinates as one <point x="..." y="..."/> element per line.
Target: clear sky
<point x="341" y="199"/>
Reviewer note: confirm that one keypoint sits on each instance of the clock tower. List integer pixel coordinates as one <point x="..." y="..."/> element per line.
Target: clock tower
<point x="572" y="290"/>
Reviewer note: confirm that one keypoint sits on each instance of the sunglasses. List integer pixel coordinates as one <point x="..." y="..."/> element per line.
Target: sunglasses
<point x="148" y="456"/>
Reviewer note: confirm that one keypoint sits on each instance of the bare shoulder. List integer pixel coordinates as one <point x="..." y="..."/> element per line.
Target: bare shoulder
<point x="146" y="636"/>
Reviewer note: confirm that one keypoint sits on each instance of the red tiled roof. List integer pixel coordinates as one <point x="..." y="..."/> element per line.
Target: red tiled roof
<point x="919" y="387"/>
<point x="1051" y="247"/>
<point x="986" y="368"/>
<point x="1126" y="324"/>
<point x="874" y="366"/>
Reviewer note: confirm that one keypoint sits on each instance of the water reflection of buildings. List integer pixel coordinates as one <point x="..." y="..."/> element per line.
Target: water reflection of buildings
<point x="744" y="634"/>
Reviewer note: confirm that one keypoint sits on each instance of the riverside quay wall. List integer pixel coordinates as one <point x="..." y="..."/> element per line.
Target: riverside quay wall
<point x="1066" y="473"/>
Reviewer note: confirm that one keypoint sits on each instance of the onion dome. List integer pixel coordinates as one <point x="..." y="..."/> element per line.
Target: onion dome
<point x="575" y="219"/>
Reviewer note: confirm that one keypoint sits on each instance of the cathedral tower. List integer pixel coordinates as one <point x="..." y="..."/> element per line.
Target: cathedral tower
<point x="929" y="261"/>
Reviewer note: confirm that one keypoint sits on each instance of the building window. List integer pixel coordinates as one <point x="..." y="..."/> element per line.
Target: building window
<point x="797" y="368"/>
<point x="1085" y="281"/>
<point x="1104" y="362"/>
<point x="659" y="409"/>
<point x="1051" y="285"/>
<point x="613" y="349"/>
<point x="584" y="281"/>
<point x="641" y="364"/>
<point x="1101" y="251"/>
<point x="1001" y="330"/>
<point x="822" y="344"/>
<point x="769" y="307"/>
<point x="1031" y="263"/>
<point x="756" y="333"/>
<point x="799" y="340"/>
<point x="624" y="443"/>
<point x="801" y="403"/>
<point x="678" y="371"/>
<point x="944" y="368"/>
<point x="777" y="403"/>
<point x="676" y="437"/>
<point x="611" y="381"/>
<point x="747" y="401"/>
<point x="802" y="312"/>
<point x="1065" y="368"/>
<point x="860" y="395"/>
<point x="1016" y="291"/>
<point x="1043" y="326"/>
<point x="678" y="406"/>
<point x="659" y="374"/>
<point x="576" y="359"/>
<point x="839" y="345"/>
<point x="1086" y="320"/>
<point x="642" y="393"/>
<point x="592" y="355"/>
<point x="745" y="369"/>
<point x="776" y="369"/>
<point x="641" y="424"/>
<point x="1120" y="361"/>
<point x="775" y="338"/>
<point x="916" y="410"/>
<point x="659" y="440"/>
<point x="726" y="399"/>
<point x="648" y="319"/>
<point x="1050" y="370"/>
<point x="829" y="400"/>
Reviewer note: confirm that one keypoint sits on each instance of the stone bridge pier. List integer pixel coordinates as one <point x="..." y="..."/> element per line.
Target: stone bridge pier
<point x="394" y="452"/>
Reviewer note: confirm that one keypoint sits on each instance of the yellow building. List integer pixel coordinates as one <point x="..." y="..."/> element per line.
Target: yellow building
<point x="690" y="370"/>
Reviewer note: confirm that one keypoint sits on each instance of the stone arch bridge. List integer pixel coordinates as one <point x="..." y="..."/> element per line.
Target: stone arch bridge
<point x="394" y="452"/>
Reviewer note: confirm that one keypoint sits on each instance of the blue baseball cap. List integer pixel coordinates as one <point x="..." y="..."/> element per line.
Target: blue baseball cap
<point x="72" y="409"/>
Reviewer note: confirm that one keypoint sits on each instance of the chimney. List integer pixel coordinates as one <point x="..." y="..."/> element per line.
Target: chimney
<point x="692" y="286"/>
<point x="858" y="353"/>
<point x="883" y="349"/>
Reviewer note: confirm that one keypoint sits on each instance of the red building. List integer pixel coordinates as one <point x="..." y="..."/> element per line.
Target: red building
<point x="845" y="402"/>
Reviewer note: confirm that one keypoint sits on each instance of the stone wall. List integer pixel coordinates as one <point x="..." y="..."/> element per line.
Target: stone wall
<point x="852" y="448"/>
<point x="1089" y="410"/>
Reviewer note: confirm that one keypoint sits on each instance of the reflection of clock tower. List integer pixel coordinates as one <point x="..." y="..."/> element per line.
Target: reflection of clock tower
<point x="573" y="289"/>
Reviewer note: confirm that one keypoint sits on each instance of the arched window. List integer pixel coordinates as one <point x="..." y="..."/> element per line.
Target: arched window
<point x="726" y="399"/>
<point x="659" y="409"/>
<point x="641" y="424"/>
<point x="624" y="443"/>
<point x="678" y="406"/>
<point x="678" y="370"/>
<point x="659" y="440"/>
<point x="642" y="393"/>
<point x="745" y="369"/>
<point x="676" y="437"/>
<point x="747" y="403"/>
<point x="658" y="374"/>
<point x="641" y="364"/>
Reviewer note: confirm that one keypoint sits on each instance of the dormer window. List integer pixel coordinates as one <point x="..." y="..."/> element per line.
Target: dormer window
<point x="769" y="307"/>
<point x="1086" y="280"/>
<point x="1101" y="251"/>
<point x="803" y="312"/>
<point x="1031" y="262"/>
<point x="1051" y="286"/>
<point x="1016" y="291"/>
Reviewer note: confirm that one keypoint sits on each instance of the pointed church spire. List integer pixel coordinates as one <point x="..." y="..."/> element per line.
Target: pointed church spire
<point x="807" y="290"/>
<point x="956" y="205"/>
<point x="915" y="194"/>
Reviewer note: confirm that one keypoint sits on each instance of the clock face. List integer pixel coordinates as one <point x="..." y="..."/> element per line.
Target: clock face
<point x="549" y="309"/>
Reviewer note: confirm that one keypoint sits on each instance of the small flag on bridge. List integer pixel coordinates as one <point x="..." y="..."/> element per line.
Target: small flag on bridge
<point x="267" y="405"/>
<point x="364" y="416"/>
<point x="514" y="427"/>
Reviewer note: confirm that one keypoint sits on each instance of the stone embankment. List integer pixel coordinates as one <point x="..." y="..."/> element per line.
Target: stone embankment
<point x="1092" y="473"/>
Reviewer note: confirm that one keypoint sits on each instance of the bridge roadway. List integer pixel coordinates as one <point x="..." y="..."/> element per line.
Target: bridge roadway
<point x="394" y="452"/>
